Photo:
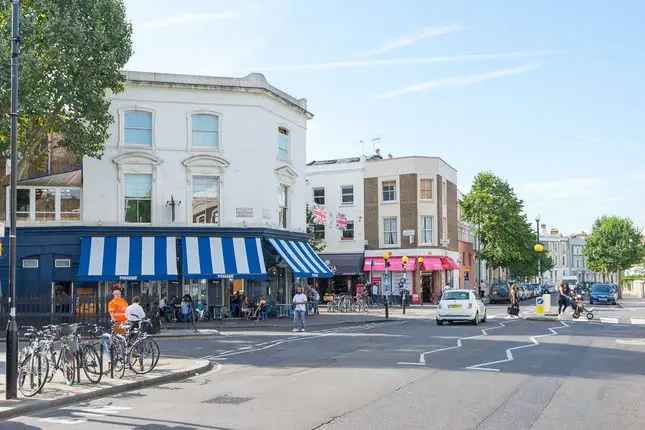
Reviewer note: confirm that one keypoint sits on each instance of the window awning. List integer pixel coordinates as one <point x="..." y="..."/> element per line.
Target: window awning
<point x="344" y="264"/>
<point x="377" y="264"/>
<point x="430" y="264"/>
<point x="207" y="257"/>
<point x="302" y="259"/>
<point x="113" y="258"/>
<point x="449" y="263"/>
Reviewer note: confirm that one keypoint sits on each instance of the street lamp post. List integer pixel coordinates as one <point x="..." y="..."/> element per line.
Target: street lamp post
<point x="12" y="327"/>
<point x="539" y="248"/>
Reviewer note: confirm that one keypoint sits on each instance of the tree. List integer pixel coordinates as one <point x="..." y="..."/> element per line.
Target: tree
<point x="72" y="53"/>
<point x="505" y="234"/>
<point x="615" y="244"/>
<point x="317" y="244"/>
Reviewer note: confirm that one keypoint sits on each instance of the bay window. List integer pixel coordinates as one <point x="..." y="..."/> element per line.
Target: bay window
<point x="70" y="204"/>
<point x="23" y="204"/>
<point x="45" y="204"/>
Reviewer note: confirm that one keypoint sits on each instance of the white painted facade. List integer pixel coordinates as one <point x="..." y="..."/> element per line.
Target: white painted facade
<point x="331" y="179"/>
<point x="250" y="173"/>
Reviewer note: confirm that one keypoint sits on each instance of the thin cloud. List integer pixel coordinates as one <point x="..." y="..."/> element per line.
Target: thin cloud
<point x="350" y="64"/>
<point x="187" y="18"/>
<point x="458" y="81"/>
<point x="410" y="39"/>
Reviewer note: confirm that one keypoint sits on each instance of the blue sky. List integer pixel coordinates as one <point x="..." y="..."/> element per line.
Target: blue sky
<point x="549" y="95"/>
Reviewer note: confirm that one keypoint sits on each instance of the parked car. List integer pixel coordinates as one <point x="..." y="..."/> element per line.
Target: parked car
<point x="461" y="305"/>
<point x="603" y="293"/>
<point x="500" y="292"/>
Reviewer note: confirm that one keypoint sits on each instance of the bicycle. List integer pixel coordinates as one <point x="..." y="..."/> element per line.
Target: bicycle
<point x="63" y="358"/>
<point x="33" y="368"/>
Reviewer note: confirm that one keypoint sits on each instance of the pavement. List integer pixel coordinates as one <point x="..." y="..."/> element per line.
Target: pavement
<point x="406" y="373"/>
<point x="58" y="393"/>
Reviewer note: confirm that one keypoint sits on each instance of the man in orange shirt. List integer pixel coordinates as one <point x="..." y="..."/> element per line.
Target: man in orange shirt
<point x="117" y="307"/>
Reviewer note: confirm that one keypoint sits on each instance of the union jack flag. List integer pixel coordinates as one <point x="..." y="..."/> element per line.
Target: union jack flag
<point x="320" y="216"/>
<point x="341" y="221"/>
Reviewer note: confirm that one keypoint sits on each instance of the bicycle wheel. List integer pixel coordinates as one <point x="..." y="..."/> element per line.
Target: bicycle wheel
<point x="53" y="359"/>
<point x="68" y="366"/>
<point x="117" y="360"/>
<point x="32" y="374"/>
<point x="143" y="355"/>
<point x="92" y="364"/>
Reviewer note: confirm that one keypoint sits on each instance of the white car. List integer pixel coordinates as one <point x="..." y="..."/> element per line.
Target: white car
<point x="461" y="305"/>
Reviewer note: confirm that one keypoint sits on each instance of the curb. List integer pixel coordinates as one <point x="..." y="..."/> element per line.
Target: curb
<point x="63" y="401"/>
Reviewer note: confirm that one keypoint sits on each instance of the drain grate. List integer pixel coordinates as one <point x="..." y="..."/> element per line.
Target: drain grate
<point x="228" y="400"/>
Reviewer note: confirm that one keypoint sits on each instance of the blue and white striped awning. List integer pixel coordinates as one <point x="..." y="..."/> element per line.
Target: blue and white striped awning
<point x="223" y="257"/>
<point x="302" y="259"/>
<point x="128" y="258"/>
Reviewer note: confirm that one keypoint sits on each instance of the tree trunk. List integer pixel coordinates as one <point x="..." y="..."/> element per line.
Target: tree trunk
<point x="620" y="284"/>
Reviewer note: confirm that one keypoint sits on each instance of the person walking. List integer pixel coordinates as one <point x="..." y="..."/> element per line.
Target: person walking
<point x="514" y="309"/>
<point x="564" y="299"/>
<point x="300" y="310"/>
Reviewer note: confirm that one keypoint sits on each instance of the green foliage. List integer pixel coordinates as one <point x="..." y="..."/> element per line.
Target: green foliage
<point x="615" y="244"/>
<point x="317" y="244"/>
<point x="72" y="52"/>
<point x="504" y="232"/>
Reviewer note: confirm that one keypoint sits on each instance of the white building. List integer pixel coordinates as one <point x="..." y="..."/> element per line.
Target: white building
<point x="208" y="172"/>
<point x="336" y="187"/>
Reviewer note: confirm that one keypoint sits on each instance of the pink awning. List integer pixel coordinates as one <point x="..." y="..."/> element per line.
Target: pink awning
<point x="377" y="264"/>
<point x="449" y="263"/>
<point x="432" y="264"/>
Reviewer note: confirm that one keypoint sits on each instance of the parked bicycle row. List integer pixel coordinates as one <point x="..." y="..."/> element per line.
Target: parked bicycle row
<point x="90" y="348"/>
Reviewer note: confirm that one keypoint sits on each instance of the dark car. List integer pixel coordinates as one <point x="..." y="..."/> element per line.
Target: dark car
<point x="603" y="293"/>
<point x="500" y="292"/>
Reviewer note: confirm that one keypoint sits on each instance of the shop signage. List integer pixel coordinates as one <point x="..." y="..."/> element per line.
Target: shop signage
<point x="127" y="278"/>
<point x="244" y="212"/>
<point x="408" y="233"/>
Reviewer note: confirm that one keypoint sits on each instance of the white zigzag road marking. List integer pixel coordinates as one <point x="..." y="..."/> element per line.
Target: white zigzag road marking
<point x="509" y="353"/>
<point x="422" y="356"/>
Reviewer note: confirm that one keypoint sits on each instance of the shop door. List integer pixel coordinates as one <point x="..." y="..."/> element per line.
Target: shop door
<point x="87" y="300"/>
<point x="62" y="297"/>
<point x="426" y="287"/>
